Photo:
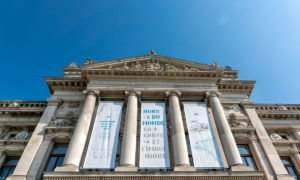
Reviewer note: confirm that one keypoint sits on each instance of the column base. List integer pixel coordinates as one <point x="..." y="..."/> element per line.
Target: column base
<point x="285" y="177"/>
<point x="16" y="177"/>
<point x="126" y="169"/>
<point x="184" y="168"/>
<point x="240" y="167"/>
<point x="67" y="168"/>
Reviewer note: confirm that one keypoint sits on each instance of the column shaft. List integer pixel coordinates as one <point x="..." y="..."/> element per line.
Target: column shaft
<point x="229" y="145"/>
<point x="177" y="132"/>
<point x="76" y="146"/>
<point x="128" y="152"/>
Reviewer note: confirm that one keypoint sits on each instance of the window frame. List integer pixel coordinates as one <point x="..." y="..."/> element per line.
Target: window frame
<point x="292" y="165"/>
<point x="249" y="155"/>
<point x="10" y="166"/>
<point x="56" y="155"/>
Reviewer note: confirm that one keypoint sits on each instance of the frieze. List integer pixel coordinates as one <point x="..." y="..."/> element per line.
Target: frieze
<point x="152" y="66"/>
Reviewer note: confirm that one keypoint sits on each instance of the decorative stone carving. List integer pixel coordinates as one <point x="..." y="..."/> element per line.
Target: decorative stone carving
<point x="153" y="52"/>
<point x="276" y="137"/>
<point x="153" y="66"/>
<point x="61" y="122"/>
<point x="13" y="104"/>
<point x="169" y="67"/>
<point x="215" y="64"/>
<point x="88" y="61"/>
<point x="23" y="135"/>
<point x="73" y="65"/>
<point x="66" y="120"/>
<point x="125" y="67"/>
<point x="228" y="68"/>
<point x="235" y="122"/>
<point x="282" y="107"/>
<point x="233" y="108"/>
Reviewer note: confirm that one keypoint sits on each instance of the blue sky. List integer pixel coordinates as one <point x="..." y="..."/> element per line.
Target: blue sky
<point x="261" y="39"/>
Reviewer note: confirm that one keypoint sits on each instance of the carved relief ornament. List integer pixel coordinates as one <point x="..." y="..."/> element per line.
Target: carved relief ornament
<point x="154" y="66"/>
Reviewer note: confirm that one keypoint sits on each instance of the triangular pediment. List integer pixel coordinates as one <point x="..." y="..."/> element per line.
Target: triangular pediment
<point x="150" y="63"/>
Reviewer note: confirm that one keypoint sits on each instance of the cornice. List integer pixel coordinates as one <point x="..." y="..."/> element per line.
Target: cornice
<point x="236" y="86"/>
<point x="246" y="175"/>
<point x="65" y="84"/>
<point x="154" y="75"/>
<point x="22" y="107"/>
<point x="278" y="111"/>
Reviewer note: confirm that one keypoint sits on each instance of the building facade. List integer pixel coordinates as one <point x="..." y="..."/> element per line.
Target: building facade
<point x="148" y="117"/>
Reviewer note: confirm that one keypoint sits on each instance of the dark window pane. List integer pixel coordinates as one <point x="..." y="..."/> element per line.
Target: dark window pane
<point x="4" y="172"/>
<point x="8" y="166"/>
<point x="285" y="161"/>
<point x="60" y="161"/>
<point x="243" y="150"/>
<point x="292" y="172"/>
<point x="51" y="164"/>
<point x="60" y="150"/>
<point x="11" y="171"/>
<point x="244" y="161"/>
<point x="251" y="164"/>
<point x="11" y="161"/>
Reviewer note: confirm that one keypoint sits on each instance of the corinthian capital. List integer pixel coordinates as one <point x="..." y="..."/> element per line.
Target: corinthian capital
<point x="173" y="93"/>
<point x="92" y="92"/>
<point x="212" y="94"/>
<point x="133" y="93"/>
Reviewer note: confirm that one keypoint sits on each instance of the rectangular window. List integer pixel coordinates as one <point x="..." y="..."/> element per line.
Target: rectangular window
<point x="8" y="167"/>
<point x="56" y="157"/>
<point x="246" y="156"/>
<point x="289" y="166"/>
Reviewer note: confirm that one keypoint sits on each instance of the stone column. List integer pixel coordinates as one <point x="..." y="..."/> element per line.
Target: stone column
<point x="181" y="158"/>
<point x="265" y="141"/>
<point x="76" y="146"/>
<point x="35" y="141"/>
<point x="229" y="145"/>
<point x="128" y="149"/>
<point x="296" y="133"/>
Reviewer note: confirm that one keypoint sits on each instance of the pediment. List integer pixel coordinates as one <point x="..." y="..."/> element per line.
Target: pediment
<point x="150" y="63"/>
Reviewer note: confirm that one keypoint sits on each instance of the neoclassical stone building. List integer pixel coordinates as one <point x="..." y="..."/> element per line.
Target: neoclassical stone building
<point x="148" y="117"/>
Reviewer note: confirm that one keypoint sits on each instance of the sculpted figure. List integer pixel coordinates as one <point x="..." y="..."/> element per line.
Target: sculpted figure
<point x="125" y="67"/>
<point x="137" y="67"/>
<point x="276" y="137"/>
<point x="61" y="122"/>
<point x="23" y="135"/>
<point x="282" y="107"/>
<point x="170" y="67"/>
<point x="73" y="64"/>
<point x="234" y="122"/>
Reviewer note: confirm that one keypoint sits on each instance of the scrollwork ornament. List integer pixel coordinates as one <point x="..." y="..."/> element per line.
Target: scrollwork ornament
<point x="213" y="94"/>
<point x="173" y="93"/>
<point x="133" y="93"/>
<point x="91" y="92"/>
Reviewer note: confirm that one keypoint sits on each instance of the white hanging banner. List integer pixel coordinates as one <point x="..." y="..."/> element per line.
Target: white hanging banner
<point x="102" y="149"/>
<point x="154" y="151"/>
<point x="205" y="151"/>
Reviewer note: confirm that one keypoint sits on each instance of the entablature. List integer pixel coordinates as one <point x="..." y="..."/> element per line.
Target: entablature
<point x="278" y="111"/>
<point x="22" y="107"/>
